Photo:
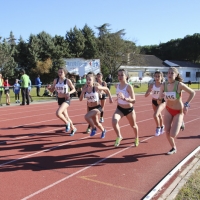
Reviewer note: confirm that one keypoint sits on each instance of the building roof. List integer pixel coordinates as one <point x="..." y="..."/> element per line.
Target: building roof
<point x="146" y="60"/>
<point x="175" y="63"/>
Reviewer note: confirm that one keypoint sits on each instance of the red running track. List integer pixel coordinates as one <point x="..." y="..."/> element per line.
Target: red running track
<point x="38" y="160"/>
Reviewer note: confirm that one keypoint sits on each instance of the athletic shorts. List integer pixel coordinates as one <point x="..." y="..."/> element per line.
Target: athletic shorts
<point x="172" y="111"/>
<point x="102" y="96"/>
<point x="6" y="91"/>
<point x="154" y="102"/>
<point x="125" y="111"/>
<point x="62" y="100"/>
<point x="98" y="107"/>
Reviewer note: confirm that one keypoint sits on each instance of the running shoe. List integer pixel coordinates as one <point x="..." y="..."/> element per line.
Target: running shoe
<point x="162" y="129"/>
<point x="16" y="101"/>
<point x="101" y="120"/>
<point x="93" y="132"/>
<point x="182" y="126"/>
<point x="68" y="127"/>
<point x="158" y="131"/>
<point x="103" y="134"/>
<point x="88" y="130"/>
<point x="137" y="142"/>
<point x="117" y="142"/>
<point x="73" y="132"/>
<point x="172" y="151"/>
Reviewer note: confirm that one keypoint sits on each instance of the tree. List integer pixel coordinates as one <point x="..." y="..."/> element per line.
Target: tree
<point x="113" y="50"/>
<point x="90" y="50"/>
<point x="7" y="63"/>
<point x="76" y="41"/>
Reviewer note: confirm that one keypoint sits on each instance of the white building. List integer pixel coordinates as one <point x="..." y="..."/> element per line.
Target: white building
<point x="148" y="64"/>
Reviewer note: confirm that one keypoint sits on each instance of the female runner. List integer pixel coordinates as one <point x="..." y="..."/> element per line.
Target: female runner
<point x="154" y="88"/>
<point x="62" y="85"/>
<point x="125" y="101"/>
<point x="94" y="108"/>
<point x="102" y="95"/>
<point x="175" y="108"/>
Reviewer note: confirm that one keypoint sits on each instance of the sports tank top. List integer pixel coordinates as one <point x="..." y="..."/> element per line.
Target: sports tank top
<point x="124" y="92"/>
<point x="172" y="96"/>
<point x="155" y="91"/>
<point x="61" y="87"/>
<point x="92" y="96"/>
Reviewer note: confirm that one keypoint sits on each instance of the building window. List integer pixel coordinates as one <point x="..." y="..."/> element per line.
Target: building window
<point x="187" y="74"/>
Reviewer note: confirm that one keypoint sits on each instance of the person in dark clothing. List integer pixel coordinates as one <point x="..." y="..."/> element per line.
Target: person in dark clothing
<point x="109" y="81"/>
<point x="38" y="85"/>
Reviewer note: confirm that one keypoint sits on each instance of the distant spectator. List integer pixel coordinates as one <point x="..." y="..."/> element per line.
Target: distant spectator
<point x="38" y="84"/>
<point x="1" y="88"/>
<point x="189" y="83"/>
<point x="29" y="90"/>
<point x="16" y="90"/>
<point x="7" y="91"/>
<point x="79" y="86"/>
<point x="83" y="79"/>
<point x="109" y="81"/>
<point x="24" y="88"/>
<point x="46" y="92"/>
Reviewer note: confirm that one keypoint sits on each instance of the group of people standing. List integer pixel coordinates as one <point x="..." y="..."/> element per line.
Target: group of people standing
<point x="23" y="85"/>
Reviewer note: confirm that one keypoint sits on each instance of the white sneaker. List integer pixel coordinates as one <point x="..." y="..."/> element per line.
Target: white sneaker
<point x="172" y="151"/>
<point x="158" y="131"/>
<point x="162" y="129"/>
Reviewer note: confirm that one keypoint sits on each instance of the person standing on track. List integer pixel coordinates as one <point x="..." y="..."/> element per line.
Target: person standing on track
<point x="90" y="91"/>
<point x="175" y="108"/>
<point x="102" y="95"/>
<point x="62" y="85"/>
<point x="154" y="88"/>
<point x="125" y="101"/>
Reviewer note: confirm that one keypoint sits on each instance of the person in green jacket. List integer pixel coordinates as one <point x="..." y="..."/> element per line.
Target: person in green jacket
<point x="24" y="88"/>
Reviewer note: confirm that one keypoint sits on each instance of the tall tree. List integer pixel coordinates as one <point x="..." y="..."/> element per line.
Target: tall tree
<point x="76" y="41"/>
<point x="7" y="63"/>
<point x="90" y="50"/>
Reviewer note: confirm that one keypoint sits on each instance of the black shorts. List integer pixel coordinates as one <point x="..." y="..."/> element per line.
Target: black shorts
<point x="154" y="102"/>
<point x="62" y="100"/>
<point x="6" y="91"/>
<point x="98" y="107"/>
<point x="125" y="111"/>
<point x="103" y="96"/>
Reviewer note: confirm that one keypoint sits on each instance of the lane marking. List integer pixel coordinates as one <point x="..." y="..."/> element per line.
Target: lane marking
<point x="79" y="171"/>
<point x="108" y="184"/>
<point x="152" y="193"/>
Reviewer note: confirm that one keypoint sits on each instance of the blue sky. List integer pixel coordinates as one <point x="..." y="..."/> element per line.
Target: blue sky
<point x="146" y="22"/>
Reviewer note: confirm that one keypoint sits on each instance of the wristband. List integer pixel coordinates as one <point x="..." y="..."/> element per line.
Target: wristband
<point x="186" y="104"/>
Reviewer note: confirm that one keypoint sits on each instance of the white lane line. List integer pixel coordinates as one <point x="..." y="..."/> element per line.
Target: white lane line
<point x="79" y="171"/>
<point x="30" y="155"/>
<point x="151" y="194"/>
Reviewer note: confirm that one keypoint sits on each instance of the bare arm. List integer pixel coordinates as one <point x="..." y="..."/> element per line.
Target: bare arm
<point x="71" y="85"/>
<point x="149" y="90"/>
<point x="99" y="87"/>
<point x="191" y="92"/>
<point x="52" y="88"/>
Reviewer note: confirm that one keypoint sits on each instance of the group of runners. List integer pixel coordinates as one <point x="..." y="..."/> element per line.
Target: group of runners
<point x="165" y="95"/>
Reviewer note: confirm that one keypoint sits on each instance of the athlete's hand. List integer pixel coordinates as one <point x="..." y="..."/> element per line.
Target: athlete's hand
<point x="67" y="96"/>
<point x="185" y="110"/>
<point x="111" y="100"/>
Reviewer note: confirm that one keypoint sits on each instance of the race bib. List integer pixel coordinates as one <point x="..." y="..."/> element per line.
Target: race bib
<point x="170" y="95"/>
